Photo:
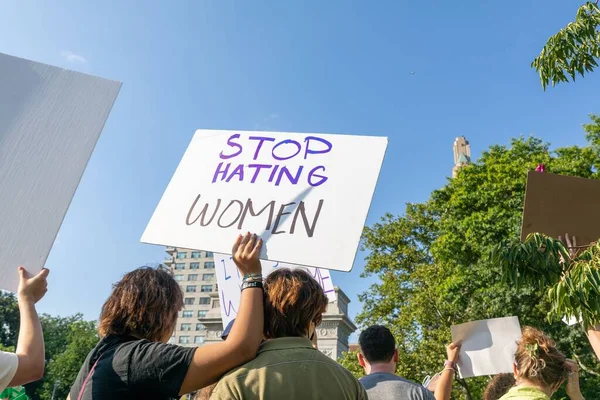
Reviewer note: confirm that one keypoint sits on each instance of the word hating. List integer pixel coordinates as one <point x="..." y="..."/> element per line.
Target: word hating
<point x="273" y="172"/>
<point x="236" y="212"/>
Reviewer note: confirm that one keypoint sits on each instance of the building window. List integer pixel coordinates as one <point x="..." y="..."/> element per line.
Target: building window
<point x="195" y="265"/>
<point x="188" y="301"/>
<point x="188" y="314"/>
<point x="190" y="289"/>
<point x="216" y="303"/>
<point x="209" y="264"/>
<point x="181" y="255"/>
<point x="186" y="327"/>
<point x="209" y="254"/>
<point x="184" y="339"/>
<point x="204" y="288"/>
<point x="198" y="339"/>
<point x="192" y="277"/>
<point x="204" y="300"/>
<point x="196" y="254"/>
<point x="208" y="277"/>
<point x="180" y="266"/>
<point x="200" y="327"/>
<point x="178" y="277"/>
<point x="202" y="313"/>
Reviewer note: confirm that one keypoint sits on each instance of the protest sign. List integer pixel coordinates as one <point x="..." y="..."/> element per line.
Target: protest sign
<point x="50" y="120"/>
<point x="487" y="346"/>
<point x="230" y="282"/>
<point x="306" y="195"/>
<point x="556" y="205"/>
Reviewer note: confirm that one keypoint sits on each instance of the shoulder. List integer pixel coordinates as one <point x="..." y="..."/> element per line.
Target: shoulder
<point x="142" y="349"/>
<point x="9" y="363"/>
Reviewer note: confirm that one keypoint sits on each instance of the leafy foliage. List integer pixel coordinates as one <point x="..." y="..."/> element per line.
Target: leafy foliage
<point x="67" y="343"/>
<point x="434" y="267"/>
<point x="572" y="284"/>
<point x="574" y="50"/>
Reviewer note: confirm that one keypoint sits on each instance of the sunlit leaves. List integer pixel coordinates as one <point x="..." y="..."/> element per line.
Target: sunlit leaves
<point x="574" y="50"/>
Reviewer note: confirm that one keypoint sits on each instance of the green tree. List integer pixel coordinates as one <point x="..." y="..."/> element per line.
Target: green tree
<point x="434" y="267"/>
<point x="574" y="50"/>
<point x="62" y="370"/>
<point x="9" y="320"/>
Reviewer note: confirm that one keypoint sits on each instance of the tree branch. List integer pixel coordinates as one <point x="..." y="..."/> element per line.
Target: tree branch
<point x="584" y="367"/>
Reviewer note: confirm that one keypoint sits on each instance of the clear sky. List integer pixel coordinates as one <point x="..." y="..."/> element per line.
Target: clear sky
<point x="418" y="72"/>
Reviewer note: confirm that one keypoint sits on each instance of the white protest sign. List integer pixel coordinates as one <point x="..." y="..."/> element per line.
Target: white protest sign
<point x="50" y="120"/>
<point x="487" y="346"/>
<point x="306" y="195"/>
<point x="230" y="282"/>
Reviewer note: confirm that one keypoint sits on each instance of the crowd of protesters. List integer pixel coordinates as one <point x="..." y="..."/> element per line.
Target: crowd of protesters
<point x="269" y="352"/>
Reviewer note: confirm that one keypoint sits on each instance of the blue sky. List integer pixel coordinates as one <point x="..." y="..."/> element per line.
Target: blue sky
<point x="300" y="66"/>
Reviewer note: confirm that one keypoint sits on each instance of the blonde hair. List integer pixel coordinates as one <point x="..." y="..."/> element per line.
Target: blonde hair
<point x="539" y="360"/>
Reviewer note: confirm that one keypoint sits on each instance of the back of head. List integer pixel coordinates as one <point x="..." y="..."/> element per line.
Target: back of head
<point x="499" y="386"/>
<point x="377" y="344"/>
<point x="144" y="304"/>
<point x="293" y="299"/>
<point x="539" y="361"/>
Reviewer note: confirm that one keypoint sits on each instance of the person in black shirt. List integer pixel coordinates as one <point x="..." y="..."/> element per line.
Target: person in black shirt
<point x="133" y="360"/>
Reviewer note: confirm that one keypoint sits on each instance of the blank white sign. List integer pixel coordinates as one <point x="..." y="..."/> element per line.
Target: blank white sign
<point x="487" y="346"/>
<point x="307" y="195"/>
<point x="50" y="120"/>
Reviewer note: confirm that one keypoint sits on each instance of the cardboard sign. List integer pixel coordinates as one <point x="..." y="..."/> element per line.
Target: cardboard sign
<point x="230" y="282"/>
<point x="556" y="205"/>
<point x="487" y="346"/>
<point x="306" y="195"/>
<point x="50" y="120"/>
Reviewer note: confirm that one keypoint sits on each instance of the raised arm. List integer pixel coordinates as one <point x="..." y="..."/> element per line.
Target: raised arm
<point x="30" y="346"/>
<point x="211" y="362"/>
<point x="443" y="389"/>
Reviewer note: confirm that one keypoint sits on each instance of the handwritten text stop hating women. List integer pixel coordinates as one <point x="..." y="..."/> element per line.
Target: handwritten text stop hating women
<point x="227" y="213"/>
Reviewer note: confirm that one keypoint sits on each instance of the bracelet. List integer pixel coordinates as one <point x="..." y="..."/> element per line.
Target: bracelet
<point x="253" y="275"/>
<point x="450" y="364"/>
<point x="256" y="279"/>
<point x="251" y="285"/>
<point x="449" y="369"/>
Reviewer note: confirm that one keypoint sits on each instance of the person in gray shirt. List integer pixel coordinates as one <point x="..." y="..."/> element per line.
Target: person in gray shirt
<point x="378" y="356"/>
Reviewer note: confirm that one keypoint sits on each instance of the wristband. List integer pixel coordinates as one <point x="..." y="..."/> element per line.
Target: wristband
<point x="253" y="275"/>
<point x="450" y="364"/>
<point x="250" y="285"/>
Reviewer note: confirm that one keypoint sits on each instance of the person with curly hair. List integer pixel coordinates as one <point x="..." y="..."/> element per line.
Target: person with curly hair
<point x="540" y="369"/>
<point x="498" y="386"/>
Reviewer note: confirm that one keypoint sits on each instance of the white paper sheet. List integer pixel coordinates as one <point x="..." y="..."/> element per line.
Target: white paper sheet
<point x="487" y="346"/>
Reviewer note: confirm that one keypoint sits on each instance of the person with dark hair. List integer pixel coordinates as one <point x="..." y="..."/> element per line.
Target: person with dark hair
<point x="288" y="366"/>
<point x="378" y="356"/>
<point x="540" y="369"/>
<point x="498" y="386"/>
<point x="133" y="360"/>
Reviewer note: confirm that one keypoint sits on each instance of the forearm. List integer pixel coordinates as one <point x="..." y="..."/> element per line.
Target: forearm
<point x="247" y="331"/>
<point x="444" y="385"/>
<point x="30" y="346"/>
<point x="594" y="337"/>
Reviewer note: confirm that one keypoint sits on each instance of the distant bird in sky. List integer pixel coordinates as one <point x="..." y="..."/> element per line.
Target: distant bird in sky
<point x="412" y="73"/>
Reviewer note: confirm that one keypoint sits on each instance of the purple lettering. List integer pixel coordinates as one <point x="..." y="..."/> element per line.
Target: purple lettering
<point x="257" y="167"/>
<point x="322" y="179"/>
<point x="227" y="277"/>
<point x="231" y="143"/>
<point x="288" y="141"/>
<point x="202" y="213"/>
<point x="219" y="171"/>
<point x="273" y="173"/>
<point x="261" y="140"/>
<point x="308" y="150"/>
<point x="293" y="179"/>
<point x="301" y="210"/>
<point x="227" y="308"/>
<point x="239" y="171"/>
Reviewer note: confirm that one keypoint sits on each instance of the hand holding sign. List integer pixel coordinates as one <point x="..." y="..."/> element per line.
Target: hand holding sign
<point x="245" y="253"/>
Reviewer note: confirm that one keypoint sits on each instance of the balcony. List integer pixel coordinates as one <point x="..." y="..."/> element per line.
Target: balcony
<point x="170" y="249"/>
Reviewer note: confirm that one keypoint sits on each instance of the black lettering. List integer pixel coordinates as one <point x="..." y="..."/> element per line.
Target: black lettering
<point x="250" y="209"/>
<point x="202" y="213"/>
<point x="232" y="202"/>
<point x="310" y="229"/>
<point x="278" y="219"/>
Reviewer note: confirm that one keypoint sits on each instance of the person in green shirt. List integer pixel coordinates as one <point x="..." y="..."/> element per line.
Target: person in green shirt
<point x="540" y="369"/>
